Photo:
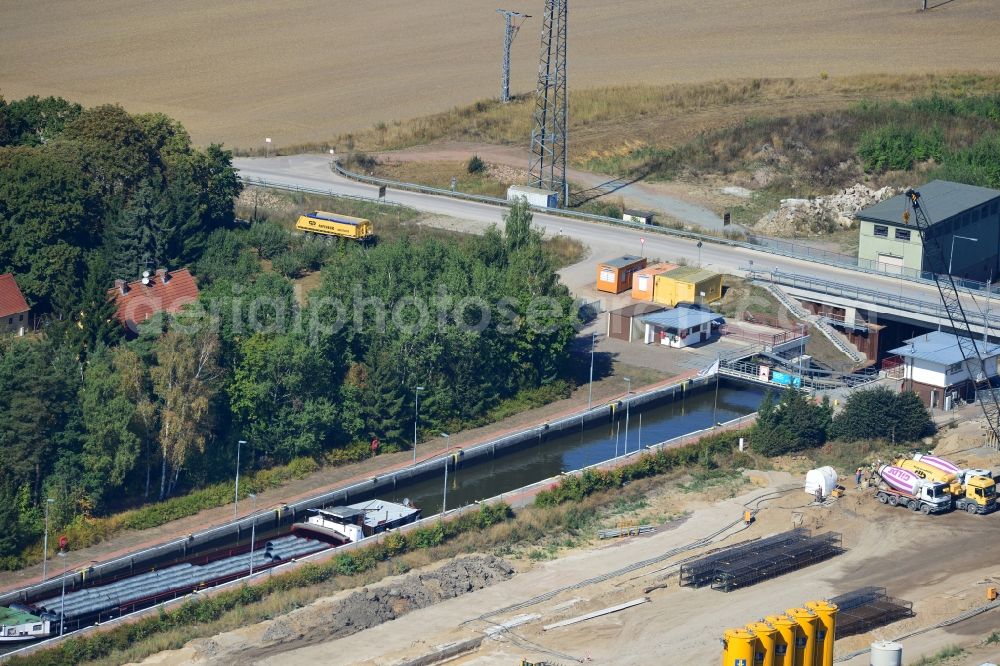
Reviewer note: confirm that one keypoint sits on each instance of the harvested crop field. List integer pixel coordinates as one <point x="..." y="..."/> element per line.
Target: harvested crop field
<point x="305" y="70"/>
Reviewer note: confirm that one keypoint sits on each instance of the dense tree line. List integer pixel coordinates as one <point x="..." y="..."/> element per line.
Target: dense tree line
<point x="99" y="423"/>
<point x="100" y="191"/>
<point x="795" y="422"/>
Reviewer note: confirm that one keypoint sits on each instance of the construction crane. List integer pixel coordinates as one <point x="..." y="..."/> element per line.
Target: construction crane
<point x="974" y="358"/>
<point x="510" y="32"/>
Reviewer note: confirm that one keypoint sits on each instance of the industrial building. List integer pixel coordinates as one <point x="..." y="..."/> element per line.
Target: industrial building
<point x="965" y="222"/>
<point x="687" y="284"/>
<point x="679" y="327"/>
<point x="615" y="275"/>
<point x="934" y="369"/>
<point x="644" y="281"/>
<point x="626" y="323"/>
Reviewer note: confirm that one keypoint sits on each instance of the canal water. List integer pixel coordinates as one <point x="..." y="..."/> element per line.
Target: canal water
<point x="651" y="424"/>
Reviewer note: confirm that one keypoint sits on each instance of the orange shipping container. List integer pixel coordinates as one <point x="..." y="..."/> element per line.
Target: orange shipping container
<point x="644" y="281"/>
<point x="615" y="276"/>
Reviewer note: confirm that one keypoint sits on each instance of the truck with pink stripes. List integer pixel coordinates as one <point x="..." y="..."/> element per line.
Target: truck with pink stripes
<point x="900" y="487"/>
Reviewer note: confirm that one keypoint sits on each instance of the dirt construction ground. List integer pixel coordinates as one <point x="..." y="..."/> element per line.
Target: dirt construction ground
<point x="941" y="563"/>
<point x="305" y="70"/>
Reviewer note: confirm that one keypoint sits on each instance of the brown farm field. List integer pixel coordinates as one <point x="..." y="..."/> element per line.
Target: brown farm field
<point x="305" y="71"/>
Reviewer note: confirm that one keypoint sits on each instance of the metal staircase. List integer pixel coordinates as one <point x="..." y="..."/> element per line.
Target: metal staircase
<point x="820" y="323"/>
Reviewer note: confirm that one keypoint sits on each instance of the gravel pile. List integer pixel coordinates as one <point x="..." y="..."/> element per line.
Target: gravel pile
<point x="371" y="607"/>
<point x="506" y="175"/>
<point x="821" y="214"/>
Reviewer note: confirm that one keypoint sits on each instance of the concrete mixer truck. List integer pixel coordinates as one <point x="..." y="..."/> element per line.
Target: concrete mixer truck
<point x="973" y="490"/>
<point x="900" y="487"/>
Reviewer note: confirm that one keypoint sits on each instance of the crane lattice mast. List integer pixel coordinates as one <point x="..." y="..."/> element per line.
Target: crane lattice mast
<point x="974" y="359"/>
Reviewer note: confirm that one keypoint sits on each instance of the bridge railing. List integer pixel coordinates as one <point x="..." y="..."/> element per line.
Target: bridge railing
<point x="864" y="294"/>
<point x="775" y="246"/>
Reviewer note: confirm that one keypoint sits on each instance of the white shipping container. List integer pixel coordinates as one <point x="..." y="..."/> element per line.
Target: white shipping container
<point x="534" y="195"/>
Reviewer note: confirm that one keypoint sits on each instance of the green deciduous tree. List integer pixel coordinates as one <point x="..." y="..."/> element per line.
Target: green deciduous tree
<point x="279" y="395"/>
<point x="48" y="214"/>
<point x="110" y="446"/>
<point x="881" y="413"/>
<point x="34" y="121"/>
<point x="793" y="424"/>
<point x="184" y="383"/>
<point x="40" y="416"/>
<point x="116" y="153"/>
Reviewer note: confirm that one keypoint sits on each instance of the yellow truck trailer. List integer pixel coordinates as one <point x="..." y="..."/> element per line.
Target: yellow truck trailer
<point x="332" y="224"/>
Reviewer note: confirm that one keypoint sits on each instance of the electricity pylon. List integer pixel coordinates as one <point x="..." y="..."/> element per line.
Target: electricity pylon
<point x="510" y="32"/>
<point x="548" y="134"/>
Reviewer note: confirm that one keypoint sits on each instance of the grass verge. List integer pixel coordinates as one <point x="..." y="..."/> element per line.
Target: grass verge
<point x="439" y="175"/>
<point x="618" y="116"/>
<point x="942" y="656"/>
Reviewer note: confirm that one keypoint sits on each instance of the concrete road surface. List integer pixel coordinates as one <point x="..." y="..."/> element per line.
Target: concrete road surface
<point x="313" y="171"/>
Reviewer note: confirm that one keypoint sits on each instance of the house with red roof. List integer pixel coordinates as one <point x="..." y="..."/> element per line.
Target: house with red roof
<point x="13" y="308"/>
<point x="167" y="291"/>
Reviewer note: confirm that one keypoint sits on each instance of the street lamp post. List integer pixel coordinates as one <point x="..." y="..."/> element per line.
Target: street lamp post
<point x="253" y="529"/>
<point x="62" y="602"/>
<point x="444" y="498"/>
<point x="628" y="403"/>
<point x="951" y="257"/>
<point x="416" y="418"/>
<point x="590" y="389"/>
<point x="45" y="541"/>
<point x="236" y="498"/>
<point x="802" y="349"/>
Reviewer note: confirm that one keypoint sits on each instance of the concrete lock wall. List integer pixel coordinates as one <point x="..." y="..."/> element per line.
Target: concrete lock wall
<point x="290" y="513"/>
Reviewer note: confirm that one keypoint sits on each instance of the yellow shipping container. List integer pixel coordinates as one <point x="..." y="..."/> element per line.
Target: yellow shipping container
<point x="686" y="285"/>
<point x="332" y="224"/>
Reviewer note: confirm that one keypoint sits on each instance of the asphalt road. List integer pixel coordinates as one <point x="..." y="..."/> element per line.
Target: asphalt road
<point x="313" y="171"/>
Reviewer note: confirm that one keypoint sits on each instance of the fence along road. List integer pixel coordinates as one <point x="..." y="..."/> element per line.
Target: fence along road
<point x="604" y="236"/>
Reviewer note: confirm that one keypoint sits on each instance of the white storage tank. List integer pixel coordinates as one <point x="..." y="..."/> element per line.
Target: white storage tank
<point x="886" y="653"/>
<point x="821" y="477"/>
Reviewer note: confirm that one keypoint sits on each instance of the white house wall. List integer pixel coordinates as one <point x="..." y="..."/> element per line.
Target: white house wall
<point x="933" y="374"/>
